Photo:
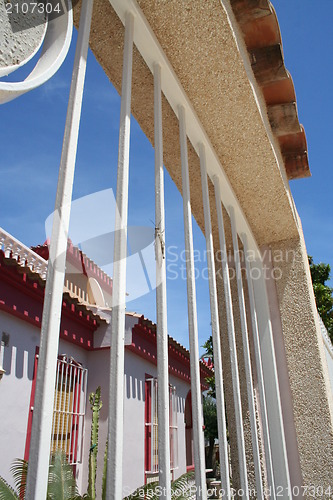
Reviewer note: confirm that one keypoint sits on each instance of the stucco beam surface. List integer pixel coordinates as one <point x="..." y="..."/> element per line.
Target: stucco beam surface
<point x="197" y="38"/>
<point x="305" y="357"/>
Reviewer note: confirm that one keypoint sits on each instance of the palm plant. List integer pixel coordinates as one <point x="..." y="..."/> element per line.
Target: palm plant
<point x="61" y="482"/>
<point x="181" y="489"/>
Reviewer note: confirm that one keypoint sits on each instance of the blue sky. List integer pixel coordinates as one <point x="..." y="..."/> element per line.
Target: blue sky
<point x="307" y="38"/>
<point x="31" y="129"/>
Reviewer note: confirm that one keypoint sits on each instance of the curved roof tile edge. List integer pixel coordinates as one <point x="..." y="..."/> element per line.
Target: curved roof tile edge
<point x="260" y="28"/>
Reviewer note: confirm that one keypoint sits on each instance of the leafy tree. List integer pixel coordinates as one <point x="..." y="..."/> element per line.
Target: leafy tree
<point x="211" y="431"/>
<point x="208" y="345"/>
<point x="320" y="273"/>
<point x="209" y="410"/>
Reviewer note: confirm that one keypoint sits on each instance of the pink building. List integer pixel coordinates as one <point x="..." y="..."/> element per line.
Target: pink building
<point x="83" y="365"/>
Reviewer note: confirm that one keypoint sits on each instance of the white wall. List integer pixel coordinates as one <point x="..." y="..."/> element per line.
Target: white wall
<point x="15" y="392"/>
<point x="328" y="351"/>
<point x="15" y="387"/>
<point x="182" y="389"/>
<point x="98" y="375"/>
<point x="134" y="419"/>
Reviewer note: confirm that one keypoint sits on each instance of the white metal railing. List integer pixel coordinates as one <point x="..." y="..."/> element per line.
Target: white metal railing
<point x="23" y="255"/>
<point x="115" y="423"/>
<point x="137" y="30"/>
<point x="164" y="452"/>
<point x="154" y="426"/>
<point x="247" y="360"/>
<point x="151" y="51"/>
<point x="69" y="409"/>
<point x="219" y="385"/>
<point x="198" y="438"/>
<point x="260" y="376"/>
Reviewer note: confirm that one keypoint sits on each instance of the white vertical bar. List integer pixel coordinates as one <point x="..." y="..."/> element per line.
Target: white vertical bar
<point x="161" y="299"/>
<point x="70" y="411"/>
<point x="156" y="426"/>
<point x="59" y="406"/>
<point x="83" y="410"/>
<point x="73" y="439"/>
<point x="63" y="407"/>
<point x="67" y="414"/>
<point x="260" y="377"/>
<point x="2" y="351"/>
<point x="222" y="431"/>
<point x="54" y="412"/>
<point x="152" y="440"/>
<point x="232" y="344"/>
<point x="271" y="385"/>
<point x="46" y="374"/>
<point x="247" y="359"/>
<point x="116" y="389"/>
<point x="198" y="436"/>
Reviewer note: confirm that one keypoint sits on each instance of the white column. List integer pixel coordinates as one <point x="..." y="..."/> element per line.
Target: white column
<point x="198" y="435"/>
<point x="232" y="344"/>
<point x="161" y="299"/>
<point x="116" y="389"/>
<point x="260" y="377"/>
<point x="271" y="384"/>
<point x="47" y="364"/>
<point x="247" y="359"/>
<point x="221" y="420"/>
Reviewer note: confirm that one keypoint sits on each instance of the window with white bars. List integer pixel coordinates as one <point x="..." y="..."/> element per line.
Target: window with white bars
<point x="69" y="408"/>
<point x="151" y="427"/>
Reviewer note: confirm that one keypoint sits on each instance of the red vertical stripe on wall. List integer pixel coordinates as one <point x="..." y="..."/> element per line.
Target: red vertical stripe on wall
<point x="32" y="400"/>
<point x="76" y="407"/>
<point x="147" y="427"/>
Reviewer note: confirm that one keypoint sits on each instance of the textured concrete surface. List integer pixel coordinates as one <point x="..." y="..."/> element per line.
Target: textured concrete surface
<point x="199" y="43"/>
<point x="308" y="379"/>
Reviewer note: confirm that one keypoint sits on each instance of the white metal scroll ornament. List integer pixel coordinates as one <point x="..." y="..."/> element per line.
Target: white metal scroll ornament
<point x="26" y="26"/>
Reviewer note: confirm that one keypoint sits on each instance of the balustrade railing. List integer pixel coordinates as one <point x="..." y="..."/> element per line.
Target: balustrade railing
<point x="23" y="255"/>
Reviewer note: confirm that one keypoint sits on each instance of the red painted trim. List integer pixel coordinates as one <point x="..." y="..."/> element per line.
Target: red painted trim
<point x="14" y="312"/>
<point x="76" y="407"/>
<point x="81" y="262"/>
<point x="189" y="468"/>
<point x="188" y="405"/>
<point x="33" y="287"/>
<point x="171" y="436"/>
<point x="32" y="399"/>
<point x="22" y="296"/>
<point x="188" y="429"/>
<point x="144" y="345"/>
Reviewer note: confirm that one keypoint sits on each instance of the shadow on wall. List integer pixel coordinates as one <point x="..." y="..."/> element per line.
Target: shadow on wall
<point x="18" y="362"/>
<point x="134" y="388"/>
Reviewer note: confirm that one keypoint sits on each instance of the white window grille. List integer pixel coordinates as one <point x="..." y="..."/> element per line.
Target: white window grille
<point x="173" y="428"/>
<point x="152" y="427"/>
<point x="69" y="409"/>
